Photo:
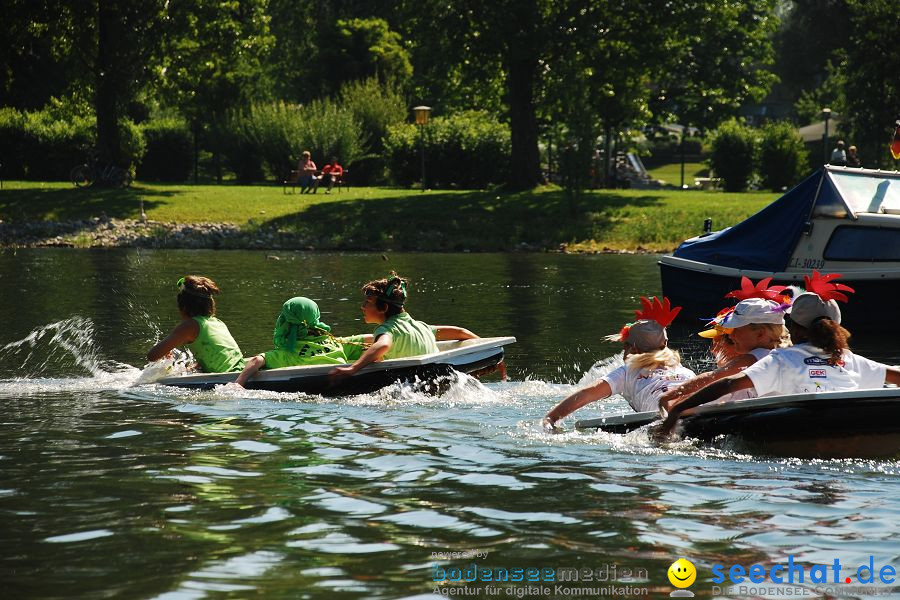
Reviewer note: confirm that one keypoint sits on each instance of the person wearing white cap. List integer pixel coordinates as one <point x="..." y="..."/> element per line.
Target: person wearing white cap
<point x="754" y="327"/>
<point x="819" y="361"/>
<point x="650" y="368"/>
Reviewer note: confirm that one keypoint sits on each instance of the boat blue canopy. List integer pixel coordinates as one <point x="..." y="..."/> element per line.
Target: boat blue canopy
<point x="765" y="241"/>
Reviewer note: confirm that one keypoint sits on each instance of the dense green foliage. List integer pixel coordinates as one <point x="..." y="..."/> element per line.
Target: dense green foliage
<point x="782" y="156"/>
<point x="733" y="155"/>
<point x="578" y="73"/>
<point x="469" y="150"/>
<point x="170" y="151"/>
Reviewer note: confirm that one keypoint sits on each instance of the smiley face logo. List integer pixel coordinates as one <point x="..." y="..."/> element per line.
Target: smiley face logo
<point x="682" y="573"/>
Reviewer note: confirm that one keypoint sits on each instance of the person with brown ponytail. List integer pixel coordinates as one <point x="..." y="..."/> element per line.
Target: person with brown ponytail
<point x="206" y="336"/>
<point x="819" y="361"/>
<point x="398" y="335"/>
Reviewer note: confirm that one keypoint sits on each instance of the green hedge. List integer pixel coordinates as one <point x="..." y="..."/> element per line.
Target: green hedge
<point x="782" y="156"/>
<point x="376" y="107"/>
<point x="469" y="150"/>
<point x="733" y="155"/>
<point x="46" y="144"/>
<point x="170" y="151"/>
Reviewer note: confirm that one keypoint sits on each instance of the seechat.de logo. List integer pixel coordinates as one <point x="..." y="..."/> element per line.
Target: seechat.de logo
<point x="682" y="574"/>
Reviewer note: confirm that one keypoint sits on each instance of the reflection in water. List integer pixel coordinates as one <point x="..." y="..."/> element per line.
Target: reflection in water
<point x="121" y="491"/>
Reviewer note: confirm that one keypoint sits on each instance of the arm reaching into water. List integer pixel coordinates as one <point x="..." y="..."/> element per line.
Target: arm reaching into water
<point x="184" y="333"/>
<point x="582" y="397"/>
<point x="733" y="367"/>
<point x="252" y="367"/>
<point x="373" y="353"/>
<point x="713" y="391"/>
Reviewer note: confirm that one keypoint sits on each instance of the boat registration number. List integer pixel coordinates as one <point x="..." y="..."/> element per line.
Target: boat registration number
<point x="807" y="263"/>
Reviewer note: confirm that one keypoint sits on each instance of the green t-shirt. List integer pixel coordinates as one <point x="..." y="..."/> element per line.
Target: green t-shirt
<point x="354" y="346"/>
<point x="215" y="349"/>
<point x="410" y="337"/>
<point x="320" y="350"/>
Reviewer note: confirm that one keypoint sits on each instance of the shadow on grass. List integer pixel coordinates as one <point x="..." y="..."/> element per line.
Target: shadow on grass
<point x="436" y="221"/>
<point x="36" y="204"/>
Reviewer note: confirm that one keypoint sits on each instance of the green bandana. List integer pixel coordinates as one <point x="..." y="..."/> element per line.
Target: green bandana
<point x="298" y="316"/>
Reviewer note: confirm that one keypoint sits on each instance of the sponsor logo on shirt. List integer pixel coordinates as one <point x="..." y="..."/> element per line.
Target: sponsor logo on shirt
<point x="815" y="360"/>
<point x="821" y="373"/>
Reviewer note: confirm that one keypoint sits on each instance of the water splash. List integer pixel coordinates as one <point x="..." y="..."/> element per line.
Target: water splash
<point x="65" y="347"/>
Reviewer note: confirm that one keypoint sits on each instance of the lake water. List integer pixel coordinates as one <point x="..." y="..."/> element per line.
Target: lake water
<point x="113" y="491"/>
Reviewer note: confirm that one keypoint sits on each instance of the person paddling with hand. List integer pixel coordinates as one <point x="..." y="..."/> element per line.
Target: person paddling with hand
<point x="650" y="368"/>
<point x="819" y="361"/>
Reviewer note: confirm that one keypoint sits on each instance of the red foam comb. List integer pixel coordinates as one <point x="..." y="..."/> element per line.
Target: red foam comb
<point x="760" y="290"/>
<point x="661" y="312"/>
<point x="821" y="285"/>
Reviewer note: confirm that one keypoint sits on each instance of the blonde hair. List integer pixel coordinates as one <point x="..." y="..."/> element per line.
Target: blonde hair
<point x="655" y="359"/>
<point x="777" y="333"/>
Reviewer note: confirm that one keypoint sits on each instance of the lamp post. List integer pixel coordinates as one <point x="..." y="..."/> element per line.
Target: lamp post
<point x="826" y="114"/>
<point x="422" y="113"/>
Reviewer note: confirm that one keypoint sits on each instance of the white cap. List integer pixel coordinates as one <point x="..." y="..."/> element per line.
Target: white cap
<point x="753" y="310"/>
<point x="808" y="307"/>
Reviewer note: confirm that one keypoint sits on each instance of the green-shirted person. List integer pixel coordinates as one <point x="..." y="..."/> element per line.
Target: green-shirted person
<point x="206" y="336"/>
<point x="398" y="335"/>
<point x="301" y="338"/>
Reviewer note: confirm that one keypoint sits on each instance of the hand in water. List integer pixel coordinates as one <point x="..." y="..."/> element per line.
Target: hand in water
<point x="661" y="431"/>
<point x="549" y="425"/>
<point x="338" y="373"/>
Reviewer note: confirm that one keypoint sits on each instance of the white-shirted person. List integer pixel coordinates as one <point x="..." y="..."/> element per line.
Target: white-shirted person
<point x="754" y="327"/>
<point x="650" y="368"/>
<point x="819" y="361"/>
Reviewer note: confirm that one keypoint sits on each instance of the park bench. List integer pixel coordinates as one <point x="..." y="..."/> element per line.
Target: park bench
<point x="294" y="178"/>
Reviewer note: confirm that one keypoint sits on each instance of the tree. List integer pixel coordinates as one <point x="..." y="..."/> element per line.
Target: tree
<point x="716" y="59"/>
<point x="215" y="59"/>
<point x="873" y="86"/>
<point x="810" y="33"/>
<point x="355" y="49"/>
<point x="105" y="49"/>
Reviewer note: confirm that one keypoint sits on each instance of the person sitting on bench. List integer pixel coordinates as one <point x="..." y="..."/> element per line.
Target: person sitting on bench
<point x="306" y="173"/>
<point x="331" y="173"/>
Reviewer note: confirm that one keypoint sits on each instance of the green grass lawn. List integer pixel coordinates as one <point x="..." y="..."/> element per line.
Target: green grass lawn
<point x="671" y="173"/>
<point x="371" y="218"/>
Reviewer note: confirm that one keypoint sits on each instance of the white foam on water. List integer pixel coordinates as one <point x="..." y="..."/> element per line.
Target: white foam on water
<point x="61" y="346"/>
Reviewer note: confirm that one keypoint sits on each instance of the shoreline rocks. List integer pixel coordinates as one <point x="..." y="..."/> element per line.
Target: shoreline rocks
<point x="103" y="232"/>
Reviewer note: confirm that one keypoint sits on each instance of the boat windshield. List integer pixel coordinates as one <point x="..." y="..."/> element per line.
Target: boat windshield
<point x="865" y="193"/>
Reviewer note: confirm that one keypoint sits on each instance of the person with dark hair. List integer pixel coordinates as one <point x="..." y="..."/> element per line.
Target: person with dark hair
<point x="398" y="335"/>
<point x="206" y="336"/>
<point x="331" y="173"/>
<point x="839" y="155"/>
<point x="819" y="361"/>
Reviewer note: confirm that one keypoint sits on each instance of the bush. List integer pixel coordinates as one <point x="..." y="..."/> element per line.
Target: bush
<point x="782" y="156"/>
<point x="375" y="107"/>
<point x="469" y="149"/>
<point x="52" y="147"/>
<point x="131" y="144"/>
<point x="733" y="155"/>
<point x="12" y="144"/>
<point x="170" y="151"/>
<point x="276" y="133"/>
<point x="46" y="144"/>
